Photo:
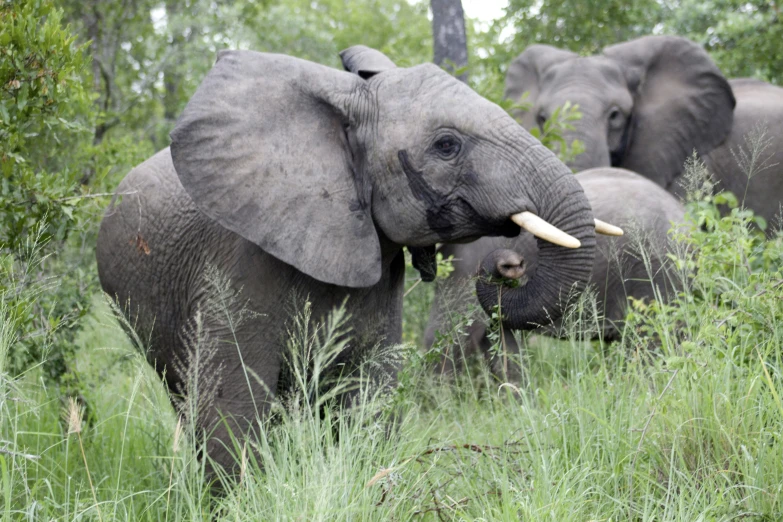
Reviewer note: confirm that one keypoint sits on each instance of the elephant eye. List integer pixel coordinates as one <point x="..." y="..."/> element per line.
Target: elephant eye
<point x="615" y="116"/>
<point x="447" y="146"/>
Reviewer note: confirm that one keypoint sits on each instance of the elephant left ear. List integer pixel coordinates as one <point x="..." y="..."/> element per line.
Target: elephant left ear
<point x="365" y="62"/>
<point x="262" y="148"/>
<point x="682" y="102"/>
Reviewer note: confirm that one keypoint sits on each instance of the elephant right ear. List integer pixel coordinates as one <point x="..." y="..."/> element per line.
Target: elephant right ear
<point x="365" y="62"/>
<point x="525" y="74"/>
<point x="682" y="102"/>
<point x="262" y="149"/>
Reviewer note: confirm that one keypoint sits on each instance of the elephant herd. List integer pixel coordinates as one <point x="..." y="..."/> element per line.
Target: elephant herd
<point x="289" y="178"/>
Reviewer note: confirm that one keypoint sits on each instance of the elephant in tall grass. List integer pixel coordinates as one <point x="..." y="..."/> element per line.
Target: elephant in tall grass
<point x="647" y="104"/>
<point x="290" y="177"/>
<point x="633" y="265"/>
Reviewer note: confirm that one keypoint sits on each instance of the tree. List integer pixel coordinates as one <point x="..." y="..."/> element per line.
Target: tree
<point x="450" y="42"/>
<point x="150" y="55"/>
<point x="46" y="115"/>
<point x="743" y="37"/>
<point x="582" y="27"/>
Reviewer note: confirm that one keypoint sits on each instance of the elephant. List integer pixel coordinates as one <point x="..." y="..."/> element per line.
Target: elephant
<point x="645" y="211"/>
<point x="294" y="178"/>
<point x="648" y="103"/>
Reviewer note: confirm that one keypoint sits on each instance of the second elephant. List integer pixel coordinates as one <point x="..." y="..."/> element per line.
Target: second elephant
<point x="646" y="212"/>
<point x="647" y="104"/>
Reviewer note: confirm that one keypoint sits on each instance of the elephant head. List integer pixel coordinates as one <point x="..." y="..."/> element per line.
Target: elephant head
<point x="327" y="170"/>
<point x="646" y="104"/>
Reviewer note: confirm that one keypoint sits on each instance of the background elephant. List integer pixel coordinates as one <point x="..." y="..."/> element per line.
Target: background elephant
<point x="643" y="209"/>
<point x="293" y="178"/>
<point x="648" y="103"/>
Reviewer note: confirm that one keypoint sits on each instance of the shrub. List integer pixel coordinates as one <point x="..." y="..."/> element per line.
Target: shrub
<point x="45" y="122"/>
<point x="732" y="305"/>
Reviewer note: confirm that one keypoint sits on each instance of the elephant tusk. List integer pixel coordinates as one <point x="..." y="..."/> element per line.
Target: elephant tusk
<point x="602" y="227"/>
<point x="540" y="228"/>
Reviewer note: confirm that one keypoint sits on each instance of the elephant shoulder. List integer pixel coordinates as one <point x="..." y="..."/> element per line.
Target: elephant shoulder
<point x="150" y="221"/>
<point x="623" y="197"/>
<point x="757" y="100"/>
<point x="155" y="181"/>
<point x="602" y="182"/>
<point x="759" y="106"/>
<point x="750" y="85"/>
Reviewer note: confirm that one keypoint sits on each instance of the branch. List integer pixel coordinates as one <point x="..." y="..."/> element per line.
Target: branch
<point x="27" y="456"/>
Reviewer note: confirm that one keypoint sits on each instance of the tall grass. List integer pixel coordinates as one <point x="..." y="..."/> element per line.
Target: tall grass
<point x="680" y="420"/>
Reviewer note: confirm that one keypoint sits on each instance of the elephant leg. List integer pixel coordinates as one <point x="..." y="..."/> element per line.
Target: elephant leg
<point x="449" y="318"/>
<point x="507" y="363"/>
<point x="230" y="384"/>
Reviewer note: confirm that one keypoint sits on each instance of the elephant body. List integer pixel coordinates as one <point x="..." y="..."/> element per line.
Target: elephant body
<point x="645" y="211"/>
<point x="157" y="232"/>
<point x="647" y="104"/>
<point x="759" y="109"/>
<point x="289" y="184"/>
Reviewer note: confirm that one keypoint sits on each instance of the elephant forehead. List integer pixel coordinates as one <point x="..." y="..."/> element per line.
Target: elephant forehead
<point x="427" y="94"/>
<point x="595" y="91"/>
<point x="597" y="70"/>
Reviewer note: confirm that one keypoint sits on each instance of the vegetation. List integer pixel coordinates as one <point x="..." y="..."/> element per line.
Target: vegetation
<point x="682" y="419"/>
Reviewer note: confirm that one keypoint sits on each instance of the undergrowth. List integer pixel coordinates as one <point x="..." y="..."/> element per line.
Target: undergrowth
<point x="681" y="419"/>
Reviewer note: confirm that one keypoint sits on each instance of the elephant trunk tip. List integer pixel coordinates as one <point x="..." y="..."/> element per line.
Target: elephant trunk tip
<point x="504" y="264"/>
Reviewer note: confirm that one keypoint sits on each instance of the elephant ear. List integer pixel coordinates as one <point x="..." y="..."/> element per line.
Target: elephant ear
<point x="261" y="148"/>
<point x="525" y="74"/>
<point x="365" y="62"/>
<point x="682" y="102"/>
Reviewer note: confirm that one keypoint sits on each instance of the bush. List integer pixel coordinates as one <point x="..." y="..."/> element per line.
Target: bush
<point x="45" y="122"/>
<point x="732" y="304"/>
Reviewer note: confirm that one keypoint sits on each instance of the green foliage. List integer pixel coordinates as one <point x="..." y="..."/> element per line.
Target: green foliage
<point x="680" y="420"/>
<point x="597" y="435"/>
<point x="138" y="43"/>
<point x="742" y="37"/>
<point x="552" y="136"/>
<point x="583" y="27"/>
<point x="731" y="304"/>
<point x="45" y="118"/>
<point x="418" y="297"/>
<point x="44" y="113"/>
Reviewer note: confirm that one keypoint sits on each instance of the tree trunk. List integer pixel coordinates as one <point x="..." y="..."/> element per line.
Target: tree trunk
<point x="172" y="77"/>
<point x="448" y="34"/>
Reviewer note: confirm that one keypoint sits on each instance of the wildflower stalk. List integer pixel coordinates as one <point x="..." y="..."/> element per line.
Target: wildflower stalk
<point x="175" y="448"/>
<point x="73" y="415"/>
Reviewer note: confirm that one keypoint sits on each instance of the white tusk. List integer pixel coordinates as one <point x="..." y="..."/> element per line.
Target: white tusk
<point x="602" y="227"/>
<point x="540" y="228"/>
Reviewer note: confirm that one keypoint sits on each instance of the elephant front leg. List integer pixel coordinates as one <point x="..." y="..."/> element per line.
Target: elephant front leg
<point x="231" y="384"/>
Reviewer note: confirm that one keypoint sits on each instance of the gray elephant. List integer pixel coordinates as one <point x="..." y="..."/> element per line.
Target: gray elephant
<point x="295" y="178"/>
<point x="645" y="211"/>
<point x="647" y="104"/>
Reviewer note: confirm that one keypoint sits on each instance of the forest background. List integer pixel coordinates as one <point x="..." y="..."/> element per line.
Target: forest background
<point x="90" y="88"/>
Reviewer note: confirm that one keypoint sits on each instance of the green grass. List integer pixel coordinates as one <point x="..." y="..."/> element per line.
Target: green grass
<point x="597" y="436"/>
<point x="681" y="420"/>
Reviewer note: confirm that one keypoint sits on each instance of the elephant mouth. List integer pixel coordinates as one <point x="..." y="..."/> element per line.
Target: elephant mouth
<point x="491" y="228"/>
<point x="508" y="228"/>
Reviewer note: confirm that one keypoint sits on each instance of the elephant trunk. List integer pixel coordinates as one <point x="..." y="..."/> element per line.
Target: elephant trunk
<point x="561" y="202"/>
<point x="592" y="134"/>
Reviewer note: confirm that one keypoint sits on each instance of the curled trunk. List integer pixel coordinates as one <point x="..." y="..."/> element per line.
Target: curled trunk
<point x="561" y="271"/>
